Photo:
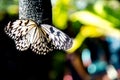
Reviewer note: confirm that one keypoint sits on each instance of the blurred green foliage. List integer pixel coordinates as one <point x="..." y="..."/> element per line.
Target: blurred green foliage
<point x="9" y="7"/>
<point x="94" y="18"/>
<point x="106" y="9"/>
<point x="87" y="19"/>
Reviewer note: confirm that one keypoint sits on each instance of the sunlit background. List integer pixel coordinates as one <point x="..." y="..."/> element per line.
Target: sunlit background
<point x="94" y="26"/>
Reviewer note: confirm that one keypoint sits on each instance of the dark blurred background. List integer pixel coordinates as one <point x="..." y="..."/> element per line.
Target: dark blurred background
<point x="94" y="26"/>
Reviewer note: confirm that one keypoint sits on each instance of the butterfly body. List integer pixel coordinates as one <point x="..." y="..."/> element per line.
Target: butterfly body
<point x="41" y="39"/>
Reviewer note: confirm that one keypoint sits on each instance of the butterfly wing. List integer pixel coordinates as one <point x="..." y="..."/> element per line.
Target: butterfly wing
<point x="22" y="43"/>
<point x="39" y="43"/>
<point x="58" y="39"/>
<point x="27" y="34"/>
<point x="41" y="40"/>
<point x="21" y="31"/>
<point x="19" y="28"/>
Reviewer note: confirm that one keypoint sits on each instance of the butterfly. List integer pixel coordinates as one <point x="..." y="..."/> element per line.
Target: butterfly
<point x="40" y="39"/>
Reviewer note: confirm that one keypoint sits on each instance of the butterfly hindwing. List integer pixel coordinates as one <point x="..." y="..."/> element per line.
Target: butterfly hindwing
<point x="39" y="43"/>
<point x="22" y="43"/>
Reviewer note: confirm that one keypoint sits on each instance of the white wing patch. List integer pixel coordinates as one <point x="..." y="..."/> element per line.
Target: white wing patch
<point x="43" y="39"/>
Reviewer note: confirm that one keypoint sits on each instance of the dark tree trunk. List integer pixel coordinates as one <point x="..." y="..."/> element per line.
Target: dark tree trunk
<point x="38" y="10"/>
<point x="36" y="67"/>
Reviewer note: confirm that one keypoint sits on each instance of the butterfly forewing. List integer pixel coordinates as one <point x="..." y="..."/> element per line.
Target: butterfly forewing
<point x="19" y="28"/>
<point x="59" y="39"/>
<point x="41" y="39"/>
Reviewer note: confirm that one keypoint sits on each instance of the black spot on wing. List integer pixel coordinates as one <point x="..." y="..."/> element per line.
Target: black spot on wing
<point x="51" y="29"/>
<point x="58" y="33"/>
<point x="26" y="22"/>
<point x="20" y="22"/>
<point x="26" y="30"/>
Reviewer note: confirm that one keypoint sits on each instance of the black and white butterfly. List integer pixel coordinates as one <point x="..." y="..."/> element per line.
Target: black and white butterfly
<point x="41" y="39"/>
